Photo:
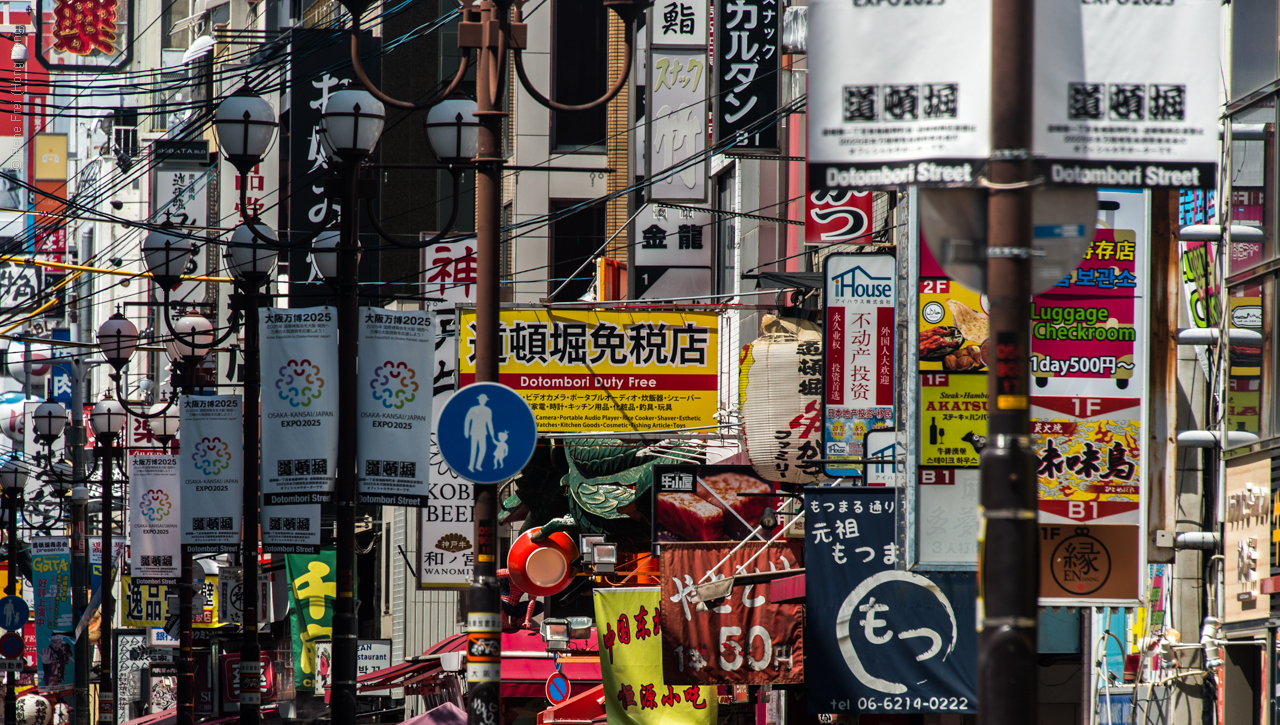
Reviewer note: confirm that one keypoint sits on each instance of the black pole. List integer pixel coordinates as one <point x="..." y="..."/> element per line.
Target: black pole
<point x="1009" y="551"/>
<point x="106" y="639"/>
<point x="186" y="696"/>
<point x="80" y="599"/>
<point x="14" y="497"/>
<point x="250" y="650"/>
<point x="342" y="692"/>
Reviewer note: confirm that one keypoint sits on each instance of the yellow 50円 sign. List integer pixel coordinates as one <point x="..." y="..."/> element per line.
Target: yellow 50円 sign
<point x="606" y="371"/>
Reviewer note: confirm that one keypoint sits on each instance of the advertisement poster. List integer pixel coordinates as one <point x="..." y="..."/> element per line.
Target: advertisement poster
<point x="211" y="469"/>
<point x="299" y="363"/>
<point x="704" y="503"/>
<point x="887" y="640"/>
<point x="1089" y="459"/>
<point x="915" y="111"/>
<point x="743" y="640"/>
<point x="631" y="652"/>
<point x="1082" y="563"/>
<point x="606" y="371"/>
<point x="133" y="660"/>
<point x="314" y="583"/>
<point x="146" y="605"/>
<point x="292" y="529"/>
<point x="1127" y="95"/>
<point x="155" y="502"/>
<point x="394" y="406"/>
<point x="749" y="69"/>
<point x="678" y="124"/>
<point x="445" y="525"/>
<point x="859" y="357"/>
<point x="53" y="615"/>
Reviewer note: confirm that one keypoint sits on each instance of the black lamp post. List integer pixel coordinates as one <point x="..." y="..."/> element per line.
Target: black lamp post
<point x="13" y="477"/>
<point x="108" y="419"/>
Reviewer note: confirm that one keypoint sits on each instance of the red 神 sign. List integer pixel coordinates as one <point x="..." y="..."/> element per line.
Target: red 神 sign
<point x="743" y="640"/>
<point x="83" y="26"/>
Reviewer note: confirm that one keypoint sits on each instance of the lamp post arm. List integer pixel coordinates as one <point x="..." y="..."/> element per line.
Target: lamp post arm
<point x="448" y="227"/>
<point x="190" y="339"/>
<point x="251" y="223"/>
<point x="618" y="84"/>
<point x="124" y="403"/>
<point x="369" y="85"/>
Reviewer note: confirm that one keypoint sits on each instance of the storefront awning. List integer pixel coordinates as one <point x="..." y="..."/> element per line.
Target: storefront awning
<point x="446" y="714"/>
<point x="417" y="672"/>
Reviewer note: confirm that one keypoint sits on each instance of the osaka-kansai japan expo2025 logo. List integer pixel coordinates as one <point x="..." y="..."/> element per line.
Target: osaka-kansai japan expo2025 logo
<point x="212" y="456"/>
<point x="393" y="384"/>
<point x="299" y="383"/>
<point x="155" y="505"/>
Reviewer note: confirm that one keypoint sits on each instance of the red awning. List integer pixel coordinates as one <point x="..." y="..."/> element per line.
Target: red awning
<point x="409" y="674"/>
<point x="582" y="709"/>
<point x="164" y="717"/>
<point x="526" y="664"/>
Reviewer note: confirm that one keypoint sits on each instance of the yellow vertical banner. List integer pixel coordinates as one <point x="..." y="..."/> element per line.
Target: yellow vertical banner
<point x="629" y="629"/>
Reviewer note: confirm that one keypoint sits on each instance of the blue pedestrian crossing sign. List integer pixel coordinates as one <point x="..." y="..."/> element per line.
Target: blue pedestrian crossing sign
<point x="557" y="688"/>
<point x="13" y="613"/>
<point x="487" y="432"/>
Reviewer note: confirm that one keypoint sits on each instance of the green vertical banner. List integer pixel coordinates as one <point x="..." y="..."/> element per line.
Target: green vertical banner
<point x="314" y="581"/>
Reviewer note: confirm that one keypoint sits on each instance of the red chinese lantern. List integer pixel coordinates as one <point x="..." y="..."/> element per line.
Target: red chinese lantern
<point x="542" y="569"/>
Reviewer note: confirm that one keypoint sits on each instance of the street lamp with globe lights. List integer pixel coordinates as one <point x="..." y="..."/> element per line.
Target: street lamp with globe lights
<point x="108" y="418"/>
<point x="13" y="477"/>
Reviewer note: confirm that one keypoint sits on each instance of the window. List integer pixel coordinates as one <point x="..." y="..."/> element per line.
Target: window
<point x="726" y="233"/>
<point x="574" y="240"/>
<point x="579" y="73"/>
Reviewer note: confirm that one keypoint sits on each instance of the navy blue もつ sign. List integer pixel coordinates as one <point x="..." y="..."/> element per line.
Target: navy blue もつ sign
<point x="887" y="640"/>
<point x="487" y="432"/>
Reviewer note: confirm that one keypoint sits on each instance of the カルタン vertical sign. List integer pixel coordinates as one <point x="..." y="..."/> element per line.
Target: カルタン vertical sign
<point x="211" y="468"/>
<point x="299" y="362"/>
<point x="397" y="351"/>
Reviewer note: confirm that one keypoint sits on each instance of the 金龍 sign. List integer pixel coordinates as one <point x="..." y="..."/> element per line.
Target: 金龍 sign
<point x="605" y="371"/>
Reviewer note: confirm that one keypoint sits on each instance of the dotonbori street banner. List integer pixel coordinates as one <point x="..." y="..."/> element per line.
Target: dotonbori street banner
<point x="211" y="467"/>
<point x="394" y="407"/>
<point x="745" y="640"/>
<point x="605" y="371"/>
<point x="155" y="496"/>
<point x="299" y="362"/>
<point x="860" y="294"/>
<point x="291" y="528"/>
<point x="917" y="110"/>
<point x="885" y="640"/>
<point x="1127" y="95"/>
<point x="629" y="630"/>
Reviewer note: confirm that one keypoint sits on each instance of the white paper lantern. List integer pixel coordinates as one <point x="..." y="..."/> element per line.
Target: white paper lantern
<point x="34" y="710"/>
<point x="782" y="409"/>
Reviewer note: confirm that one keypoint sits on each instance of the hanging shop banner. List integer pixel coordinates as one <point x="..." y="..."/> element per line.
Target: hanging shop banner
<point x="449" y="272"/>
<point x="628" y="626"/>
<point x="677" y="157"/>
<point x="1127" y="95"/>
<point x="146" y="605"/>
<point x="299" y="362"/>
<point x="780" y="391"/>
<point x="445" y="551"/>
<point x="154" y="521"/>
<point x="53" y="614"/>
<point x="708" y="503"/>
<point x="606" y="371"/>
<point x="744" y="640"/>
<point x="749" y="73"/>
<point x="211" y="467"/>
<point x="1089" y="459"/>
<point x="916" y="111"/>
<point x="314" y="583"/>
<point x="838" y="217"/>
<point x="858" y="359"/>
<point x="1084" y="565"/>
<point x="71" y="36"/>
<point x="673" y="258"/>
<point x="886" y="640"/>
<point x="1246" y="534"/>
<point x="394" y="407"/>
<point x="291" y="529"/>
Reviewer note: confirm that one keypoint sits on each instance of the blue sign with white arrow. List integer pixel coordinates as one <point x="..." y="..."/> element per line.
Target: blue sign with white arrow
<point x="487" y="432"/>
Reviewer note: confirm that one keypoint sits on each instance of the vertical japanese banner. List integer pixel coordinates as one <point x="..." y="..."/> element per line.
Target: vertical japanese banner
<point x="313" y="579"/>
<point x="744" y="640"/>
<point x="748" y="73"/>
<point x="446" y="553"/>
<point x="393" y="401"/>
<point x="211" y="469"/>
<point x="673" y="258"/>
<point x="299" y="363"/>
<point x="155" y="496"/>
<point x="676" y="108"/>
<point x="629" y="629"/>
<point x="860" y="294"/>
<point x="54" y="618"/>
<point x="886" y="640"/>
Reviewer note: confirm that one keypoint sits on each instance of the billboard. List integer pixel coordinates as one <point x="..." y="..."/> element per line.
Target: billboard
<point x="605" y="371"/>
<point x="708" y="503"/>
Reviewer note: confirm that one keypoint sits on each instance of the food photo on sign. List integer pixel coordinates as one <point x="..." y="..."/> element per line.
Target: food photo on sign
<point x="709" y="503"/>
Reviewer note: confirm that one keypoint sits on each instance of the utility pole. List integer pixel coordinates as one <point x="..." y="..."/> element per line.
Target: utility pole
<point x="80" y="599"/>
<point x="1009" y="546"/>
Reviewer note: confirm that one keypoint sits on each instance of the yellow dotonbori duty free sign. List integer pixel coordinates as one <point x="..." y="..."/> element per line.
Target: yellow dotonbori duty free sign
<point x="606" y="371"/>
